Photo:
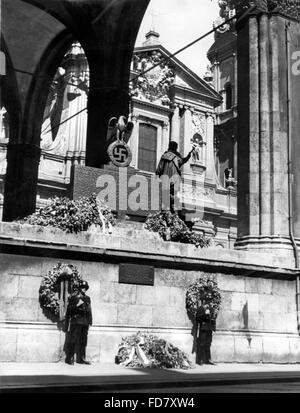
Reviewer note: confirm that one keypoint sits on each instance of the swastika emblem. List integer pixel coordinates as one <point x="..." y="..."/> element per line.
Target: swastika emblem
<point x="119" y="153"/>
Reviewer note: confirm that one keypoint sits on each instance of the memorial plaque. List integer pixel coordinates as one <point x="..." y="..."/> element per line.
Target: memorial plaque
<point x="136" y="274"/>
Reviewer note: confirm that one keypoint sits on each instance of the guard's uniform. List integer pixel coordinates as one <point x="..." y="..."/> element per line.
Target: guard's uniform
<point x="206" y="325"/>
<point x="78" y="319"/>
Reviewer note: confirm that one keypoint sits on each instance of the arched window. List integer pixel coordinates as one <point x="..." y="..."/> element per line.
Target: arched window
<point x="228" y="96"/>
<point x="147" y="147"/>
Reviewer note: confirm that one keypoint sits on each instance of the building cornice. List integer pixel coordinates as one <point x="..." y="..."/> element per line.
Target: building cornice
<point x="158" y="108"/>
<point x="197" y="95"/>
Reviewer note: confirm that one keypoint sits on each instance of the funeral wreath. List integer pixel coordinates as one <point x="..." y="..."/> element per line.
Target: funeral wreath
<point x="146" y="350"/>
<point x="72" y="215"/>
<point x="171" y="228"/>
<point x="49" y="288"/>
<point x="203" y="289"/>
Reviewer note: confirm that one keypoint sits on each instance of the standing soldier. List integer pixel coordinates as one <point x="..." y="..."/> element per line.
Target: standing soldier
<point x="78" y="320"/>
<point x="206" y="325"/>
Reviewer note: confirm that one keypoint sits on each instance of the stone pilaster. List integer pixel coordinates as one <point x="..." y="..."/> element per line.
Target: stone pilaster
<point x="165" y="137"/>
<point x="264" y="127"/>
<point x="187" y="136"/>
<point x="211" y="174"/>
<point x="175" y="125"/>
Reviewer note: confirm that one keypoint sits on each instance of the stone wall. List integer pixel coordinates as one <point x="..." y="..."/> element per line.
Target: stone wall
<point x="257" y="321"/>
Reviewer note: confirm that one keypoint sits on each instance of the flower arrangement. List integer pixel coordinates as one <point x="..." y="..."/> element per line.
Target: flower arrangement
<point x="171" y="228"/>
<point x="72" y="215"/>
<point x="203" y="289"/>
<point x="48" y="292"/>
<point x="147" y="350"/>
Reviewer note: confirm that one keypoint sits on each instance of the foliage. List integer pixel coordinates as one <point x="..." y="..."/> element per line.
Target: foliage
<point x="203" y="289"/>
<point x="71" y="215"/>
<point x="48" y="292"/>
<point x="159" y="352"/>
<point x="171" y="228"/>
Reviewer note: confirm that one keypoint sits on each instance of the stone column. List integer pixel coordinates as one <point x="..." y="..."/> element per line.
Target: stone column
<point x="264" y="126"/>
<point x="279" y="153"/>
<point x="262" y="134"/>
<point x="248" y="129"/>
<point x="21" y="180"/>
<point x="103" y="103"/>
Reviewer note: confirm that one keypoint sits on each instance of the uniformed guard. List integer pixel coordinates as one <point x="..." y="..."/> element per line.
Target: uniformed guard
<point x="78" y="320"/>
<point x="205" y="327"/>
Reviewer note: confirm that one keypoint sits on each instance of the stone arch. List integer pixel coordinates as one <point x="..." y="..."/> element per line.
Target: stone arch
<point x="109" y="61"/>
<point x="40" y="87"/>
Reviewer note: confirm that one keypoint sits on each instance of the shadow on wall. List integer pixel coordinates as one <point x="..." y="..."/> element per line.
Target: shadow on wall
<point x="245" y="313"/>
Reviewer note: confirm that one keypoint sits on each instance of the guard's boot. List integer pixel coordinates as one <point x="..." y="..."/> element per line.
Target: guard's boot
<point x="201" y="356"/>
<point x="70" y="348"/>
<point x="82" y="359"/>
<point x="208" y="357"/>
<point x="69" y="359"/>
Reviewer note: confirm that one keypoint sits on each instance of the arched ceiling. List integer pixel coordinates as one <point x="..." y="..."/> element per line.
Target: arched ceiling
<point x="31" y="28"/>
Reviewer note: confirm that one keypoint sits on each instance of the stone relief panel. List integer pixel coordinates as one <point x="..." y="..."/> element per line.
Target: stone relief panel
<point x="199" y="124"/>
<point x="153" y="86"/>
<point x="198" y="192"/>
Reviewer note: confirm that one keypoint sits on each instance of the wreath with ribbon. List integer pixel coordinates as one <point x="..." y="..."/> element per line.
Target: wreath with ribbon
<point x="147" y="350"/>
<point x="204" y="289"/>
<point x="50" y="296"/>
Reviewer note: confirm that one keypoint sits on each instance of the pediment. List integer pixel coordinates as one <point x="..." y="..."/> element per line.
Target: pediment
<point x="177" y="74"/>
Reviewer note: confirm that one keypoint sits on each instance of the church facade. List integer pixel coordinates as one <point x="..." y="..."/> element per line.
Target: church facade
<point x="167" y="103"/>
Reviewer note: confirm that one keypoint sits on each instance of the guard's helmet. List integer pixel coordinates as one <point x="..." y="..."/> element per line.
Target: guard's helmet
<point x="84" y="284"/>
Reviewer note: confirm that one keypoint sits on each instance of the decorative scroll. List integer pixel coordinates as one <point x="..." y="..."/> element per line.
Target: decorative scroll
<point x="153" y="86"/>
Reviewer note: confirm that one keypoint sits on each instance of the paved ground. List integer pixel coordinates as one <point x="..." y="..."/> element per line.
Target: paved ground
<point x="60" y="377"/>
